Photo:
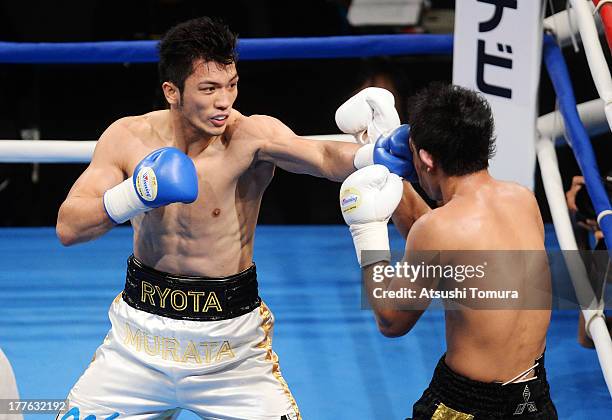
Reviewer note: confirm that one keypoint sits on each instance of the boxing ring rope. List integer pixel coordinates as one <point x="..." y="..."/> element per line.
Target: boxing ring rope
<point x="559" y="75"/>
<point x="551" y="127"/>
<point x="594" y="54"/>
<point x="248" y="49"/>
<point x="578" y="136"/>
<point x="363" y="46"/>
<point x="563" y="25"/>
<point x="591" y="114"/>
<point x="79" y="151"/>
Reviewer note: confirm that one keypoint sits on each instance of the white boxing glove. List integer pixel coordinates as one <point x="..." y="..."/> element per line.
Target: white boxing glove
<point x="368" y="115"/>
<point x="368" y="198"/>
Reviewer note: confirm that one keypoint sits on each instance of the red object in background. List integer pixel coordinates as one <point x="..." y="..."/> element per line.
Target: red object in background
<point x="606" y="16"/>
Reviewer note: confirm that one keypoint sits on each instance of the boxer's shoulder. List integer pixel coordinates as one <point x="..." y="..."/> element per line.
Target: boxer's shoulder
<point x="256" y="127"/>
<point x="255" y="132"/>
<point x="143" y="129"/>
<point x="450" y="227"/>
<point x="129" y="139"/>
<point x="516" y="199"/>
<point x="513" y="190"/>
<point x="430" y="231"/>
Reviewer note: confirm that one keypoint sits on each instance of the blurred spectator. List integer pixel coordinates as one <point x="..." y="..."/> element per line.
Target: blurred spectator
<point x="386" y="73"/>
<point x="580" y="207"/>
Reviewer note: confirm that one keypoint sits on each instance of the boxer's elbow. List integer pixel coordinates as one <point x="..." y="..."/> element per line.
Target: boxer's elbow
<point x="392" y="331"/>
<point x="394" y="324"/>
<point x="63" y="229"/>
<point x="65" y="235"/>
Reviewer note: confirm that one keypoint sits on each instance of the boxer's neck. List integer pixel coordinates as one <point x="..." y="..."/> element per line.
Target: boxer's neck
<point x="463" y="185"/>
<point x="189" y="138"/>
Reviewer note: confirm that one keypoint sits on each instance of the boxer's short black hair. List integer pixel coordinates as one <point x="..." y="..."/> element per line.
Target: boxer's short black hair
<point x="201" y="38"/>
<point x="455" y="125"/>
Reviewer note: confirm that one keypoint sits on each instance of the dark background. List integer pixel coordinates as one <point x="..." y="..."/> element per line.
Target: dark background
<point x="77" y="102"/>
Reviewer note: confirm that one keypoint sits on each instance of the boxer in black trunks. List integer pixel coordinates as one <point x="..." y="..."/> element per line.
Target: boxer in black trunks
<point x="494" y="364"/>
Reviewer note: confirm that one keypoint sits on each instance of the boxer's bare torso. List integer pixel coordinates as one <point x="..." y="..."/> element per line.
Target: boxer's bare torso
<point x="234" y="160"/>
<point x="485" y="215"/>
<point x="214" y="235"/>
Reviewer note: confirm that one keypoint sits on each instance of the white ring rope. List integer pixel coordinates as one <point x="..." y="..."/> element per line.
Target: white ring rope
<point x="594" y="53"/>
<point x="46" y="151"/>
<point x="552" y="127"/>
<point x="594" y="321"/>
<point x="591" y="113"/>
<point x="562" y="25"/>
<point x="78" y="151"/>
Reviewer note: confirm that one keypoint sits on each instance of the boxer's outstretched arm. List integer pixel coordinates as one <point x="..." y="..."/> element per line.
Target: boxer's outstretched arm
<point x="279" y="145"/>
<point x="82" y="216"/>
<point x="326" y="159"/>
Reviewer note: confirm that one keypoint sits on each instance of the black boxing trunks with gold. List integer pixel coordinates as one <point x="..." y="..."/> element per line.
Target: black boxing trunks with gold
<point x="183" y="342"/>
<point x="451" y="396"/>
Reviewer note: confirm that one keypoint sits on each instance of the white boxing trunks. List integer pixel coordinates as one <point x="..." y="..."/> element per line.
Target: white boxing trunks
<point x="8" y="388"/>
<point x="164" y="353"/>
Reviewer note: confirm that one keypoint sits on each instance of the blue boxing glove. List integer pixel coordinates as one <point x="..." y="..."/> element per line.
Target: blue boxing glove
<point x="164" y="176"/>
<point x="391" y="150"/>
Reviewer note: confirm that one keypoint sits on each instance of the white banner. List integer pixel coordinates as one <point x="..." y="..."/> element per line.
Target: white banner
<point x="498" y="51"/>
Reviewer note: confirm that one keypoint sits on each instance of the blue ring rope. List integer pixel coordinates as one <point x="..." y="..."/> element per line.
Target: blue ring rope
<point x="581" y="145"/>
<point x="248" y="49"/>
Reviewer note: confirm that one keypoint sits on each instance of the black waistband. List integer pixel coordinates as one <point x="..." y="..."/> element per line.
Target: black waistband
<point x="190" y="297"/>
<point x="461" y="393"/>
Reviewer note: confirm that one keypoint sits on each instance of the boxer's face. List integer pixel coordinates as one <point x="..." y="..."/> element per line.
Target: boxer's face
<point x="208" y="96"/>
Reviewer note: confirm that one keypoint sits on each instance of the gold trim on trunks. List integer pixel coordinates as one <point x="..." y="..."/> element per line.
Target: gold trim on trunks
<point x="445" y="413"/>
<point x="267" y="324"/>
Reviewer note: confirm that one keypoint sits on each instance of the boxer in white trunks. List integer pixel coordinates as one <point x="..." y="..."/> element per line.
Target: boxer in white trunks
<point x="190" y="330"/>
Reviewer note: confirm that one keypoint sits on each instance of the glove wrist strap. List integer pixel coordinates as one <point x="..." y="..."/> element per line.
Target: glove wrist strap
<point x="122" y="202"/>
<point x="371" y="242"/>
<point x="364" y="156"/>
